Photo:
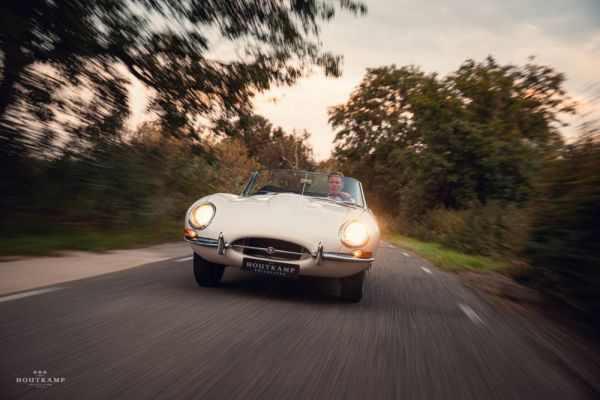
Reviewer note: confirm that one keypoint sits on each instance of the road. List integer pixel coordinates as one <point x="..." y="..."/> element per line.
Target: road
<point x="150" y="332"/>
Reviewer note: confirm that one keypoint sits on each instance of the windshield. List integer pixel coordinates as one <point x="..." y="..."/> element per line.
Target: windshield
<point x="330" y="187"/>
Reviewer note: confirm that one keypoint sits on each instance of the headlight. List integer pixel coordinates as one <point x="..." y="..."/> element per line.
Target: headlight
<point x="201" y="215"/>
<point x="354" y="234"/>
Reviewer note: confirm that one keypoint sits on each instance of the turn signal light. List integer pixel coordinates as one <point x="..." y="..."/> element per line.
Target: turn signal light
<point x="362" y="254"/>
<point x="190" y="233"/>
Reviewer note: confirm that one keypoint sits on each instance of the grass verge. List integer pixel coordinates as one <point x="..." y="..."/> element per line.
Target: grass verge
<point x="449" y="259"/>
<point x="49" y="243"/>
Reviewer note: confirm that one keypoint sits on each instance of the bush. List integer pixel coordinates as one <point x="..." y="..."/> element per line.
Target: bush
<point x="234" y="168"/>
<point x="491" y="229"/>
<point x="564" y="245"/>
<point x="146" y="182"/>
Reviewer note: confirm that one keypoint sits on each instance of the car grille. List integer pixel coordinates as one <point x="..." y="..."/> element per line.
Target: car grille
<point x="283" y="250"/>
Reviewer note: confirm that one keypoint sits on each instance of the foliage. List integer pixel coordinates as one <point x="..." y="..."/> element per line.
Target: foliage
<point x="328" y="165"/>
<point x="419" y="141"/>
<point x="565" y="236"/>
<point x="269" y="145"/>
<point x="493" y="229"/>
<point x="146" y="181"/>
<point x="65" y="67"/>
<point x="51" y="241"/>
<point x="474" y="162"/>
<point x="64" y="62"/>
<point x="235" y="166"/>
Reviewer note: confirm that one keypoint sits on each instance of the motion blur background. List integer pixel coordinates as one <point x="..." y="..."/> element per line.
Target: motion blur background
<point x="469" y="164"/>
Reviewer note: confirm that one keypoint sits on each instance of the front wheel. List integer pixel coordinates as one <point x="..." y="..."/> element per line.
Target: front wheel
<point x="352" y="287"/>
<point x="207" y="273"/>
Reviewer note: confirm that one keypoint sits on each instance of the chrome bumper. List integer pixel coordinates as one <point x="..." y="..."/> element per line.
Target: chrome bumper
<point x="318" y="255"/>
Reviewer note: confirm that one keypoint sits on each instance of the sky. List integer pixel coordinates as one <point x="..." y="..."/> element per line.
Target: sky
<point x="438" y="36"/>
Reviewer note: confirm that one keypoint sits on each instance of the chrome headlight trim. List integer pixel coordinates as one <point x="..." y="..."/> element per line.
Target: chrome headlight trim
<point x="196" y="207"/>
<point x="352" y="245"/>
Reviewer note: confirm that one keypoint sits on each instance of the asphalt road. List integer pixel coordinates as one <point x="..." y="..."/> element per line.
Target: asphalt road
<point x="150" y="332"/>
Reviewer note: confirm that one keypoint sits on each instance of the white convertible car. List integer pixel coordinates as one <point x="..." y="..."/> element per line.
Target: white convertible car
<point x="286" y="223"/>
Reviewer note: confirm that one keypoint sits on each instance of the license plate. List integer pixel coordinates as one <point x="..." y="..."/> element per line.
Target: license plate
<point x="271" y="268"/>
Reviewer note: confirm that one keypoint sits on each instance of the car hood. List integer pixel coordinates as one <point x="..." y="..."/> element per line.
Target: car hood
<point x="286" y="205"/>
<point x="300" y="219"/>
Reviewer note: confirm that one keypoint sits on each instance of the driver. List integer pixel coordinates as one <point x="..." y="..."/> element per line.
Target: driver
<point x="335" y="184"/>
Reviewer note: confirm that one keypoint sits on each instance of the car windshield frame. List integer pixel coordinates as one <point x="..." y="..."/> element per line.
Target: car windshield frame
<point x="360" y="202"/>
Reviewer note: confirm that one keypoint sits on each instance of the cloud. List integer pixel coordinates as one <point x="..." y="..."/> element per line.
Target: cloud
<point x="438" y="36"/>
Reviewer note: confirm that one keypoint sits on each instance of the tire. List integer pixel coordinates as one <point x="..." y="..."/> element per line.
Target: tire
<point x="207" y="273"/>
<point x="352" y="287"/>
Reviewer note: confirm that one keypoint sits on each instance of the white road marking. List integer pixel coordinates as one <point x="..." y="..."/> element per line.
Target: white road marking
<point x="27" y="294"/>
<point x="426" y="270"/>
<point x="184" y="259"/>
<point x="472" y="315"/>
<point x="406" y="254"/>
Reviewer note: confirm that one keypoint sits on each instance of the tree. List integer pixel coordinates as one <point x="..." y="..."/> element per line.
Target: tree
<point x="270" y="146"/>
<point x="62" y="61"/>
<point x="478" y="134"/>
<point x="375" y="127"/>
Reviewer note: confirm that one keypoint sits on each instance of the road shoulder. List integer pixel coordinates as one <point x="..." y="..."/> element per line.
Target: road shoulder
<point x="34" y="272"/>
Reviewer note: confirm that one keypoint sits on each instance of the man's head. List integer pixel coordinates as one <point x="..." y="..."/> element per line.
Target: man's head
<point x="335" y="182"/>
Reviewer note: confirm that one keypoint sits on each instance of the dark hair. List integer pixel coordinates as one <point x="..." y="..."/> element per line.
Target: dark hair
<point x="335" y="173"/>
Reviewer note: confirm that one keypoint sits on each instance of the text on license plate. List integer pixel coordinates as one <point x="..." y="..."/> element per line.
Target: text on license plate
<point x="271" y="268"/>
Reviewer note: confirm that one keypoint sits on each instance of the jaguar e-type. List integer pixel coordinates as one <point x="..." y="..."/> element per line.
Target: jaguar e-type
<point x="286" y="223"/>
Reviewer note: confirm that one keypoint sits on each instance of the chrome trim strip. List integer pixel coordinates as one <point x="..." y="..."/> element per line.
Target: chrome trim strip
<point x="319" y="255"/>
<point x="345" y="257"/>
<point x="241" y="246"/>
<point x="225" y="245"/>
<point x="202" y="241"/>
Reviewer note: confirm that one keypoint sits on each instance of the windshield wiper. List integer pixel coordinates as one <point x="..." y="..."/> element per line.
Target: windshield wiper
<point x="349" y="203"/>
<point x="263" y="192"/>
<point x="342" y="203"/>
